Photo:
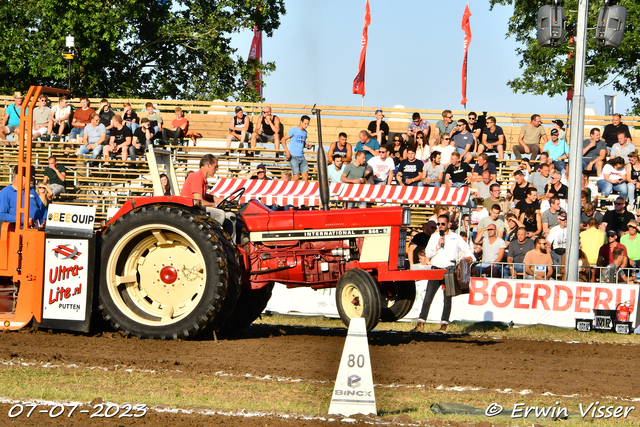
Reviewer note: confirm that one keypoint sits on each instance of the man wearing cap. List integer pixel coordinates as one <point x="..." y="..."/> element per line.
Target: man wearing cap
<point x="529" y="138"/>
<point x="260" y="172"/>
<point x="557" y="238"/>
<point x="617" y="218"/>
<point x="8" y="200"/>
<point x="238" y="128"/>
<point x="559" y="125"/>
<point x="611" y="131"/>
<point x="558" y="150"/>
<point x="594" y="152"/>
<point x="11" y="119"/>
<point x="605" y="255"/>
<point x="267" y="130"/>
<point x="417" y="124"/>
<point x="379" y="128"/>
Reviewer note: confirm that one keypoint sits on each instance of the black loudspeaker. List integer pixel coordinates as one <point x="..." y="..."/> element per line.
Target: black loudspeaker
<point x="551" y="26"/>
<point x="611" y="23"/>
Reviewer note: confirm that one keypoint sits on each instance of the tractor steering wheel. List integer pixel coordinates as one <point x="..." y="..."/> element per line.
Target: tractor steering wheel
<point x="233" y="197"/>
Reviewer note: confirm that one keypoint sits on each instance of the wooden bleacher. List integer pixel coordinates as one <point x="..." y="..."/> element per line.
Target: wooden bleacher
<point x="110" y="188"/>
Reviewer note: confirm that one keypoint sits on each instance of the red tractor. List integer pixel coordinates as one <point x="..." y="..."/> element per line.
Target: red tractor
<point x="166" y="270"/>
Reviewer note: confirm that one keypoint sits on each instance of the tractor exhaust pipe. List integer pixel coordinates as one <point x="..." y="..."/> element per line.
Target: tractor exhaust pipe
<point x="323" y="179"/>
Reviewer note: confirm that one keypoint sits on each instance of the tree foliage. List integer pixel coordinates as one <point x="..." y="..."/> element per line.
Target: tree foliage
<point x="176" y="49"/>
<point x="550" y="70"/>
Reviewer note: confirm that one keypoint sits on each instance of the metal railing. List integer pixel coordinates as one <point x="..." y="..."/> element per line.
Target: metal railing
<point x="593" y="274"/>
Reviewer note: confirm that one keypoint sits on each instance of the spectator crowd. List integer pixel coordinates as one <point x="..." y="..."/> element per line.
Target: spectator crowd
<point x="516" y="232"/>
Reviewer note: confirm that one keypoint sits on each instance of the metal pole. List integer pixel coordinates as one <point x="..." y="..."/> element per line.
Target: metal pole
<point x="577" y="135"/>
<point x="69" y="86"/>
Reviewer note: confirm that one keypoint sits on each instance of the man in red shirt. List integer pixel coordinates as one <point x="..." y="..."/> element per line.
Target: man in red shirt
<point x="605" y="256"/>
<point x="195" y="187"/>
<point x="179" y="128"/>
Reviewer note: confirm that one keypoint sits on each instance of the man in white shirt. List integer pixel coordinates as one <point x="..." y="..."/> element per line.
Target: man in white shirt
<point x="382" y="166"/>
<point x="493" y="248"/>
<point x="336" y="169"/>
<point x="557" y="238"/>
<point x="443" y="247"/>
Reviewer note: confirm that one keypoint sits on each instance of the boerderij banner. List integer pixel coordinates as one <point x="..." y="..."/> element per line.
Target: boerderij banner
<point x="523" y="302"/>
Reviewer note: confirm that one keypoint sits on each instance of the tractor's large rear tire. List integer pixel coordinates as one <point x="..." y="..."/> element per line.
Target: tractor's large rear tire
<point x="250" y="304"/>
<point x="357" y="295"/>
<point x="166" y="272"/>
<point x="397" y="300"/>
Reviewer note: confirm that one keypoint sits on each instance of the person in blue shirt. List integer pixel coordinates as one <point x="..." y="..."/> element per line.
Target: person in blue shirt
<point x="335" y="170"/>
<point x="368" y="145"/>
<point x="8" y="200"/>
<point x="558" y="150"/>
<point x="295" y="154"/>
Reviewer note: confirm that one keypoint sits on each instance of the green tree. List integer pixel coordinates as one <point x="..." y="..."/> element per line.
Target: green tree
<point x="176" y="49"/>
<point x="549" y="70"/>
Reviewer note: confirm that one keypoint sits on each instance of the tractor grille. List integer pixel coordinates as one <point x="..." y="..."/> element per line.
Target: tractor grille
<point x="402" y="249"/>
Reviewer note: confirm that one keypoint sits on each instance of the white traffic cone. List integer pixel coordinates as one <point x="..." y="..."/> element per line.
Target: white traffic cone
<point x="353" y="392"/>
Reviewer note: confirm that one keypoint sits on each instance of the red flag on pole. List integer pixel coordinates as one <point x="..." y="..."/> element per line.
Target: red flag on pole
<point x="467" y="41"/>
<point x="256" y="53"/>
<point x="358" y="82"/>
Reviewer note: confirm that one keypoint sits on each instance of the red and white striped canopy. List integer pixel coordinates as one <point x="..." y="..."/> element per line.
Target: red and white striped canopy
<point x="298" y="193"/>
<point x="403" y="195"/>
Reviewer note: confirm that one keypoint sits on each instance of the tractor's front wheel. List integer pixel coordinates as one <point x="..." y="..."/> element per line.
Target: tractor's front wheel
<point x="357" y="295"/>
<point x="164" y="274"/>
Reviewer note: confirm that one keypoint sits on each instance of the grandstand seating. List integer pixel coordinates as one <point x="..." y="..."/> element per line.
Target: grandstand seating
<point x="111" y="187"/>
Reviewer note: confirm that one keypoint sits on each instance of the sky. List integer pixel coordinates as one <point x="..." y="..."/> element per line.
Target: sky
<point x="414" y="58"/>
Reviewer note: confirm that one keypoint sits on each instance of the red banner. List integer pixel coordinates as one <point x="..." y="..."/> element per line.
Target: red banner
<point x="256" y="53"/>
<point x="467" y="41"/>
<point x="358" y="82"/>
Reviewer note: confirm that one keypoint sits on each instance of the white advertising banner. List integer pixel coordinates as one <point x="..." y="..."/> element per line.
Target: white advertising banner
<point x="66" y="276"/>
<point x="524" y="302"/>
<point x="67" y="217"/>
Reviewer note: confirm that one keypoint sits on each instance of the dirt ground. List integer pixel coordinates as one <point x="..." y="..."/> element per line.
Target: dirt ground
<point x="596" y="370"/>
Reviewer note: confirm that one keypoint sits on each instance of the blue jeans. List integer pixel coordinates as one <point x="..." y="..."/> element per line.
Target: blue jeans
<point x="94" y="155"/>
<point x="560" y="165"/>
<point x="606" y="187"/>
<point x="298" y="165"/>
<point x="459" y="185"/>
<point x="485" y="268"/>
<point x="133" y="126"/>
<point x="76" y="133"/>
<point x="517" y="268"/>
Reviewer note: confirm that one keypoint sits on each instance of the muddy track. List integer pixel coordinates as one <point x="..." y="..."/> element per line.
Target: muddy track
<point x="313" y="354"/>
